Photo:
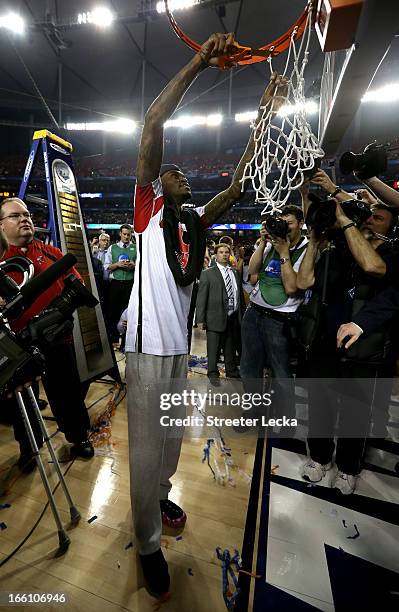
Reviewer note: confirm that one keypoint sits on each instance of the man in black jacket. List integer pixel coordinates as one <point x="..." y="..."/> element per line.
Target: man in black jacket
<point x="361" y="265"/>
<point x="378" y="311"/>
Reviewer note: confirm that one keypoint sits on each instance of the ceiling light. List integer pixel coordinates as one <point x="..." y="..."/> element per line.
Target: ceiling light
<point x="310" y="107"/>
<point x="100" y="16"/>
<point x="120" y="126"/>
<point x="388" y="93"/>
<point x="176" y="5"/>
<point x="189" y="121"/>
<point x="246" y="117"/>
<point x="214" y="120"/>
<point x="12" y="22"/>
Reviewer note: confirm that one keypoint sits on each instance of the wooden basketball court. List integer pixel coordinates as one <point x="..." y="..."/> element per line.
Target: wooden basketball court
<point x="100" y="572"/>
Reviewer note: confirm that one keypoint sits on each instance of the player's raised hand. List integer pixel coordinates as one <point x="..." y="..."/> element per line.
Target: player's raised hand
<point x="217" y="46"/>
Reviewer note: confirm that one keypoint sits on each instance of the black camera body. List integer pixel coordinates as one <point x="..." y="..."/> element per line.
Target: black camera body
<point x="276" y="226"/>
<point x="21" y="358"/>
<point x="371" y="162"/>
<point x="321" y="213"/>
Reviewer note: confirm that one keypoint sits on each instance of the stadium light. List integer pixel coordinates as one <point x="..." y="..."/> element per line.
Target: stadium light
<point x="246" y="117"/>
<point x="310" y="107"/>
<point x="12" y="22"/>
<point x="388" y="93"/>
<point x="176" y="5"/>
<point x="100" y="16"/>
<point x="188" y="121"/>
<point x="120" y="126"/>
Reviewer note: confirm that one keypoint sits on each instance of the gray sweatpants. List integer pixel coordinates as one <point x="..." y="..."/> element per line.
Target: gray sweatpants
<point x="153" y="450"/>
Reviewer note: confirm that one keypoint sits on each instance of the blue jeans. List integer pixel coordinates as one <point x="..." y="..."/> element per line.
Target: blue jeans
<point x="266" y="343"/>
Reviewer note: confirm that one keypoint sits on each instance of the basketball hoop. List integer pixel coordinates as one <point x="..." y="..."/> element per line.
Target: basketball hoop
<point x="244" y="54"/>
<point x="285" y="146"/>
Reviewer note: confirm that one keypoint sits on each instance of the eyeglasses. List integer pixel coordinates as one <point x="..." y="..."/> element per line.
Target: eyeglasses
<point x="16" y="216"/>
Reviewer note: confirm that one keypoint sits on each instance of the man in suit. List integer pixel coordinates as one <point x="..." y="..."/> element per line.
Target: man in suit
<point x="378" y="311"/>
<point x="219" y="307"/>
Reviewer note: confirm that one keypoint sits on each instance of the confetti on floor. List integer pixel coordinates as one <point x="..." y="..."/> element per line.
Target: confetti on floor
<point x="190" y="572"/>
<point x="354" y="537"/>
<point x="93" y="518"/>
<point x="178" y="538"/>
<point x="3" y="526"/>
<point x="252" y="574"/>
<point x="130" y="545"/>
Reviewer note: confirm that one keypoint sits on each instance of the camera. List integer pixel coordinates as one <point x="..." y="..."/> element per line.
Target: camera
<point x="276" y="226"/>
<point x="371" y="162"/>
<point x="321" y="213"/>
<point x="248" y="251"/>
<point x="20" y="354"/>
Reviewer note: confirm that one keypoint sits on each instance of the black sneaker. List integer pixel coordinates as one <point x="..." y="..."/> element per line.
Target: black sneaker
<point x="155" y="571"/>
<point x="42" y="403"/>
<point x="83" y="449"/>
<point x="172" y="515"/>
<point x="26" y="463"/>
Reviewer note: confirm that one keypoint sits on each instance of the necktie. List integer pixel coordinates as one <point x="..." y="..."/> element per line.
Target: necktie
<point x="229" y="290"/>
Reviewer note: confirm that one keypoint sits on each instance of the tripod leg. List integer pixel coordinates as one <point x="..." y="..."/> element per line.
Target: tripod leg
<point x="74" y="512"/>
<point x="63" y="537"/>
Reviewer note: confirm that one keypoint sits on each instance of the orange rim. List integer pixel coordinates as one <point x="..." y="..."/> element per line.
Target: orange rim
<point x="247" y="55"/>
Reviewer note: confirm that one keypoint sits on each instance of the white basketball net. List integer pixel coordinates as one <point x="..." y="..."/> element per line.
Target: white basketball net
<point x="284" y="142"/>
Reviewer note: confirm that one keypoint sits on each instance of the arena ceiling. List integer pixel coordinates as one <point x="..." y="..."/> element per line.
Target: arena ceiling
<point x="102" y="69"/>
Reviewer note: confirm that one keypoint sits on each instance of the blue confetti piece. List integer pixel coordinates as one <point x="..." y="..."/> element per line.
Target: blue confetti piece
<point x="2" y="506"/>
<point x="3" y="526"/>
<point x="178" y="538"/>
<point x="130" y="545"/>
<point x="93" y="518"/>
<point x="190" y="572"/>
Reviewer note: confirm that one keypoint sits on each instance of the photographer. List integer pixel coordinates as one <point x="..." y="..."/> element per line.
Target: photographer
<point x="26" y="462"/>
<point x="344" y="271"/>
<point x="265" y="330"/>
<point x="61" y="379"/>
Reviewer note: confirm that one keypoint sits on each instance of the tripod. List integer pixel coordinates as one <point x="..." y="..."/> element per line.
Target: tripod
<point x="63" y="537"/>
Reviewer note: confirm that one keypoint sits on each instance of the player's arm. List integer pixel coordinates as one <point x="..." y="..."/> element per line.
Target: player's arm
<point x="151" y="144"/>
<point x="273" y="95"/>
